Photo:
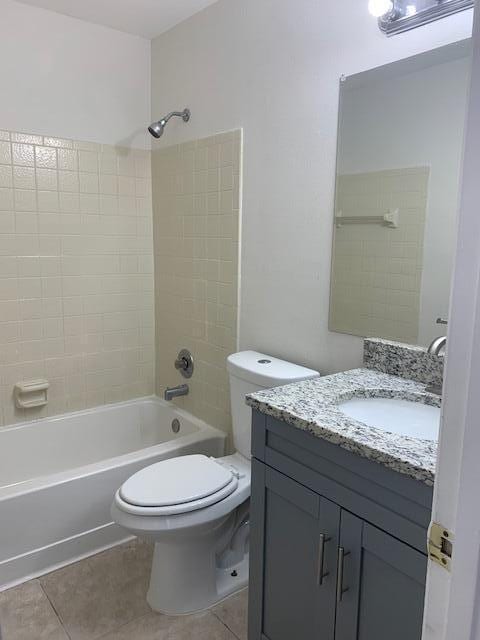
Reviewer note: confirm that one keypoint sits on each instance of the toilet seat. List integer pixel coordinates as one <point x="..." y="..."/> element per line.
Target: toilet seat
<point x="177" y="486"/>
<point x="152" y="522"/>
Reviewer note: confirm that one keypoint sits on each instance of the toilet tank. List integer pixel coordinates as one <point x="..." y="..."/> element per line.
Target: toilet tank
<point x="251" y="371"/>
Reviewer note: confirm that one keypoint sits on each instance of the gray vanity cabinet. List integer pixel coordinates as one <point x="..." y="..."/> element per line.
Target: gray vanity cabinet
<point x="338" y="543"/>
<point x="381" y="584"/>
<point x="301" y="537"/>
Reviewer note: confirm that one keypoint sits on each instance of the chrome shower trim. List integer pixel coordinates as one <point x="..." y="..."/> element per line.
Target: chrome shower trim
<point x="176" y="392"/>
<point x="156" y="129"/>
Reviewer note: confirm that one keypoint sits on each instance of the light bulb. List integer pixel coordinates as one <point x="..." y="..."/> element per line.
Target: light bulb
<point x="379" y="8"/>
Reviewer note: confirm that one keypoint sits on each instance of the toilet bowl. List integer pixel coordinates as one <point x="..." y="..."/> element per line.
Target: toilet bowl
<point x="191" y="523"/>
<point x="195" y="508"/>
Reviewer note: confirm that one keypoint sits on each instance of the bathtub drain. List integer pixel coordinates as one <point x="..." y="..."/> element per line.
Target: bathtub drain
<point x="175" y="425"/>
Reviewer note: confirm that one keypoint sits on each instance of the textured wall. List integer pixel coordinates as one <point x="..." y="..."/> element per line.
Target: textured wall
<point x="273" y="68"/>
<point x="73" y="78"/>
<point x="76" y="272"/>
<point x="196" y="203"/>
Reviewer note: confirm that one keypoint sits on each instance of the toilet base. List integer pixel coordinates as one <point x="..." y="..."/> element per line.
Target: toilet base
<point x="227" y="583"/>
<point x="187" y="572"/>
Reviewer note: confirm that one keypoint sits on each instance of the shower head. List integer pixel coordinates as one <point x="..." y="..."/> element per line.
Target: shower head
<point x="157" y="128"/>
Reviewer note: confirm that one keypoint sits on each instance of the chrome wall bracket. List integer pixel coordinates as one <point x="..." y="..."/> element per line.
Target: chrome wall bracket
<point x="410" y="14"/>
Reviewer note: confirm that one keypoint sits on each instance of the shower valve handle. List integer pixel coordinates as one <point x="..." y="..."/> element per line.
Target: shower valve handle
<point x="181" y="363"/>
<point x="184" y="363"/>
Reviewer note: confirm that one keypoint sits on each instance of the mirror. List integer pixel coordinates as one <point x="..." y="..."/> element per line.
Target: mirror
<point x="399" y="157"/>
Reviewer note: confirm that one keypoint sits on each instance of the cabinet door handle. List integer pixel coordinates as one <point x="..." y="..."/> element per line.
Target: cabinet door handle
<point x="341" y="559"/>
<point x="321" y="573"/>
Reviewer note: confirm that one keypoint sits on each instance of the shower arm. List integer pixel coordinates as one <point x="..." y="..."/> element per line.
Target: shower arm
<point x="185" y="115"/>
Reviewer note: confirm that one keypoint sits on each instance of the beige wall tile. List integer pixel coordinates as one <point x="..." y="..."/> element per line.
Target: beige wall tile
<point x="196" y="235"/>
<point x="376" y="272"/>
<point x="62" y="246"/>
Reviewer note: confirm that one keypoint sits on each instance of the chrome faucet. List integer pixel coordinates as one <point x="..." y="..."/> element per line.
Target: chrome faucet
<point x="176" y="392"/>
<point x="435" y="348"/>
<point x="439" y="343"/>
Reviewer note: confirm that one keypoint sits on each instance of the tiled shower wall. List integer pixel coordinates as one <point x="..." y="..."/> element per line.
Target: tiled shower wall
<point x="196" y="195"/>
<point x="76" y="272"/>
<point x="377" y="270"/>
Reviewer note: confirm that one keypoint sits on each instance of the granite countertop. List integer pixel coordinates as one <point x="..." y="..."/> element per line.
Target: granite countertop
<point x="311" y="406"/>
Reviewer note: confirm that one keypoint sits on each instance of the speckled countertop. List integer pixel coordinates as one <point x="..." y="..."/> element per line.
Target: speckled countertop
<point x="312" y="406"/>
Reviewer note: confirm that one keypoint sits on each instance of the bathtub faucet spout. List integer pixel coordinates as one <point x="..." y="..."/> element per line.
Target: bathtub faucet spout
<point x="175" y="392"/>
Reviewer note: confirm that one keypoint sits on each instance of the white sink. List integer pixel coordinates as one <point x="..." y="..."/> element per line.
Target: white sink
<point x="395" y="416"/>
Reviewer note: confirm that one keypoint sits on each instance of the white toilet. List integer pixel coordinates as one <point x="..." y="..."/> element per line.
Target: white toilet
<point x="196" y="508"/>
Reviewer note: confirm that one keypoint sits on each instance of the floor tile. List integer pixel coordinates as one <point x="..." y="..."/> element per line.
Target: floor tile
<point x="204" y="626"/>
<point x="99" y="594"/>
<point x="233" y="613"/>
<point x="26" y="614"/>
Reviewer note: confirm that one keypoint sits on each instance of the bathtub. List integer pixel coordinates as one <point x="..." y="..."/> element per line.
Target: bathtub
<point x="58" y="477"/>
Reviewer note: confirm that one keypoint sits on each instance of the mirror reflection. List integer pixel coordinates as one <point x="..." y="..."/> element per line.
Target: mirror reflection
<point x="399" y="158"/>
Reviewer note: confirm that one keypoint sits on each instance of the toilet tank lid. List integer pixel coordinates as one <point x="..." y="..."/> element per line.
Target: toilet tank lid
<point x="266" y="371"/>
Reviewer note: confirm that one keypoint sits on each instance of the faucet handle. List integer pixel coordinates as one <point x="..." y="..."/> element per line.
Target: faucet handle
<point x="184" y="363"/>
<point x="442" y="321"/>
<point x="181" y="363"/>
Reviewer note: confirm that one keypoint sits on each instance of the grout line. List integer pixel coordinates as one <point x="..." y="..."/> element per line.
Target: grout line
<point x="122" y="626"/>
<point x="225" y="624"/>
<point x="54" y="610"/>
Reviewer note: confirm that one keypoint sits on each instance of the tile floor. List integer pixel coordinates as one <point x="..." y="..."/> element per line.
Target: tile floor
<point x="103" y="597"/>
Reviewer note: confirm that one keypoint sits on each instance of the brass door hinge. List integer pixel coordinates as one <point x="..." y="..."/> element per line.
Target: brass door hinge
<point x="440" y="545"/>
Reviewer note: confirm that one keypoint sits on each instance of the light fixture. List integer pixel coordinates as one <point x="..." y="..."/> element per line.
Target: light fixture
<point x="397" y="16"/>
<point x="380" y="8"/>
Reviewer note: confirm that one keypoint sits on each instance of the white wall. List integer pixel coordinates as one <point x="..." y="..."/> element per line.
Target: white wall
<point x="416" y="120"/>
<point x="272" y="67"/>
<point x="65" y="77"/>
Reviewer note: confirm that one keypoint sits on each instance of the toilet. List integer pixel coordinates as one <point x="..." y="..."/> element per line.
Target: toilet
<point x="196" y="509"/>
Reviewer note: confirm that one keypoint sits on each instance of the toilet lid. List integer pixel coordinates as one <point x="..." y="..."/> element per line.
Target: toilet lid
<point x="176" y="481"/>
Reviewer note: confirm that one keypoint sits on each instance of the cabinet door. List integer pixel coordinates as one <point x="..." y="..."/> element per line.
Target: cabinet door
<point x="380" y="585"/>
<point x="298" y="567"/>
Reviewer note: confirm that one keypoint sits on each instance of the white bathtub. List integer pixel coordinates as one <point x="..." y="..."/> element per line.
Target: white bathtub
<point x="58" y="477"/>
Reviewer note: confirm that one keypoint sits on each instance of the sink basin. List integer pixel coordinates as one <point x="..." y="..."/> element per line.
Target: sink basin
<point x="395" y="416"/>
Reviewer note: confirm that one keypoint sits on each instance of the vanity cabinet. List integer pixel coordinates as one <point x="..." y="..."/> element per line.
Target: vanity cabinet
<point x="300" y="531"/>
<point x="338" y="543"/>
<point x="380" y="584"/>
